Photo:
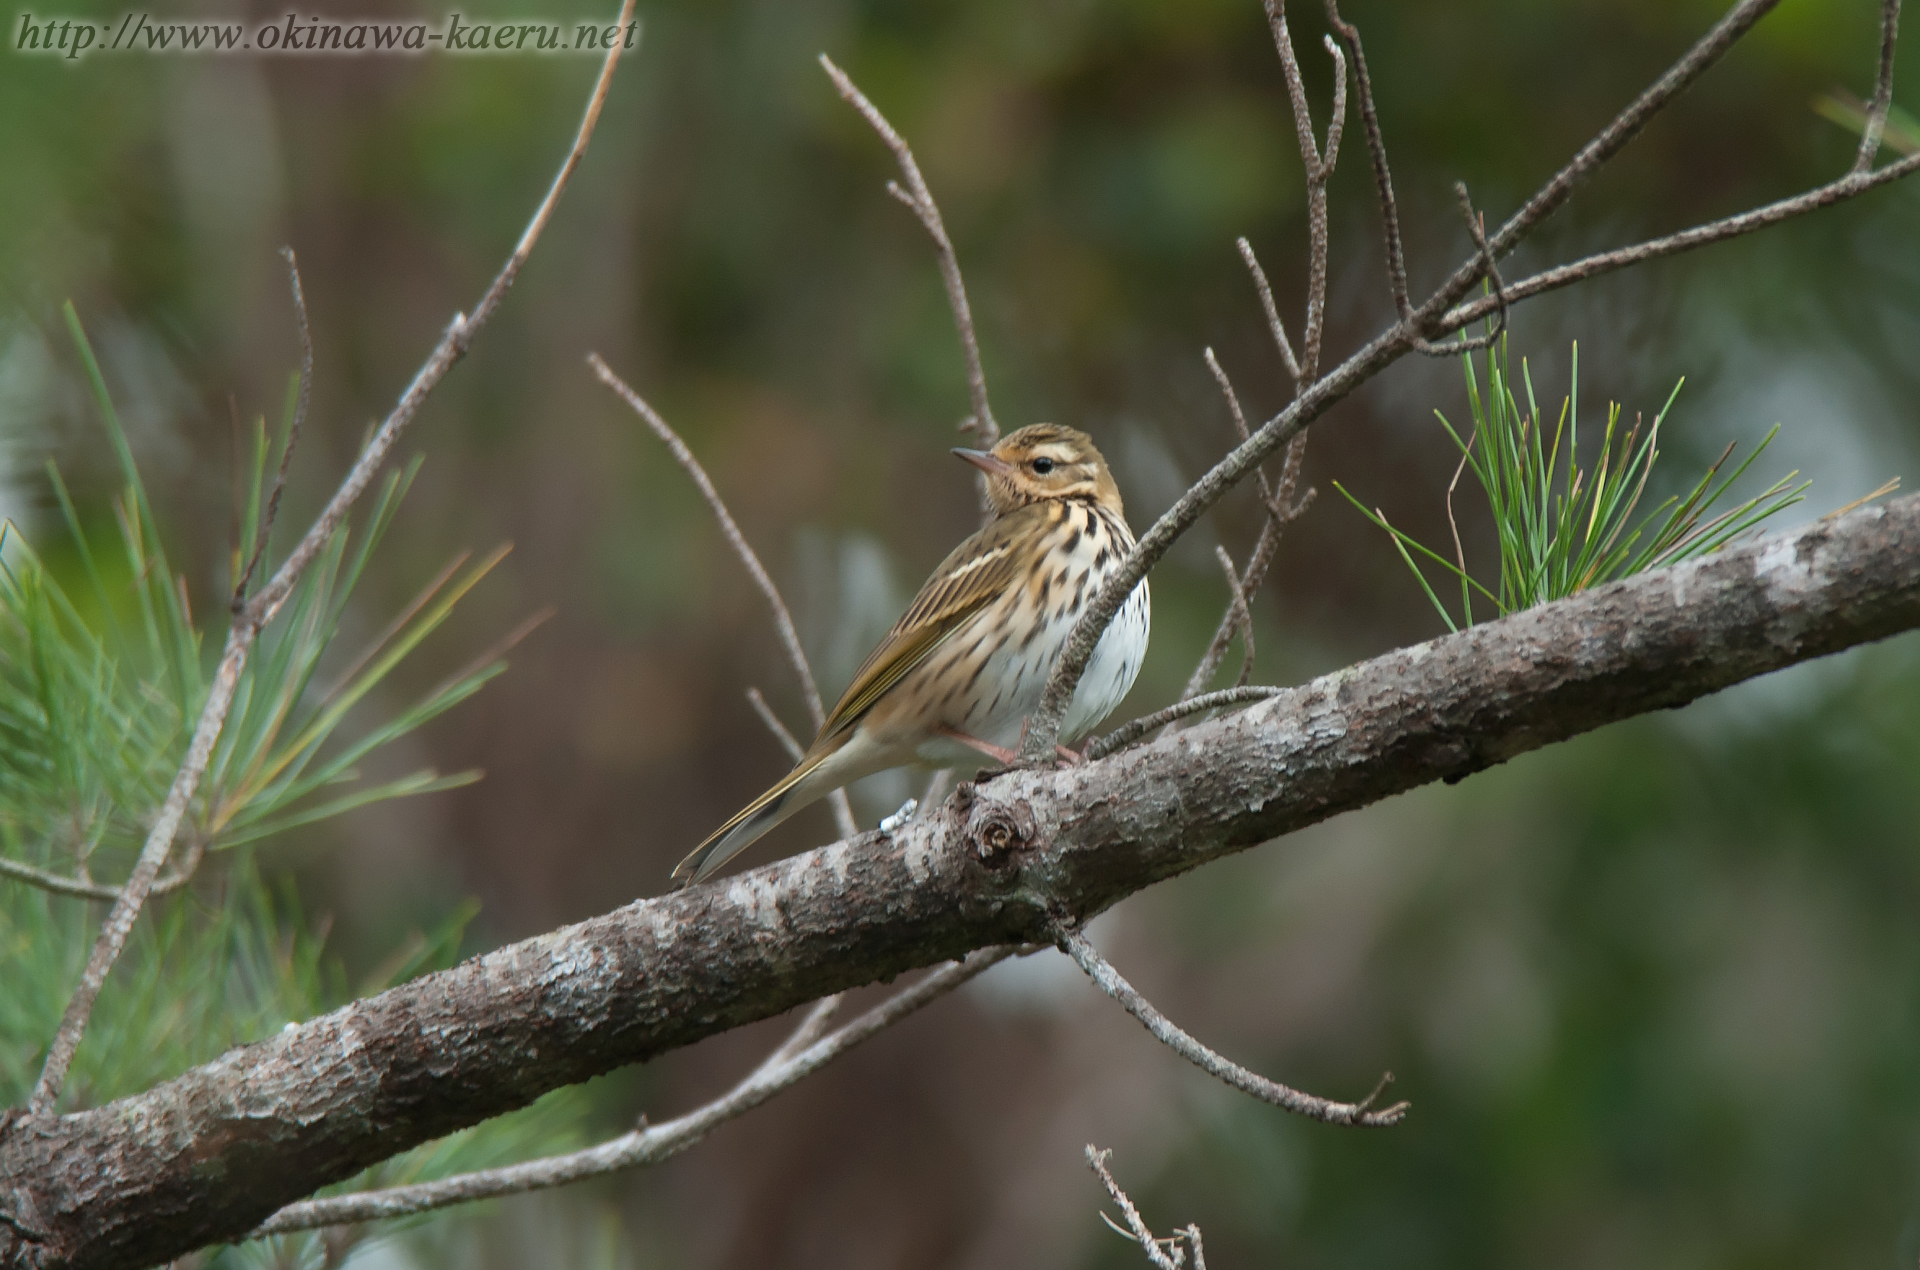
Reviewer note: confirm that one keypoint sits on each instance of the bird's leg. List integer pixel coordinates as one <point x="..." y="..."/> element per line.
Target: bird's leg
<point x="1071" y="757"/>
<point x="999" y="753"/>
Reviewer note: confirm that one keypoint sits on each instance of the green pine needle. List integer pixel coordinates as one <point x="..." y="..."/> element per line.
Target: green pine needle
<point x="1562" y="528"/>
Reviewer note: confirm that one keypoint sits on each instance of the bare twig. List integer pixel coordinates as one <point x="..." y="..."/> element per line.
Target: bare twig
<point x="788" y="742"/>
<point x="1242" y="615"/>
<point x="1876" y="122"/>
<point x="936" y="791"/>
<point x="1838" y="191"/>
<point x="78" y="888"/>
<point x="811" y="1028"/>
<point x="1169" y="1257"/>
<point x="919" y="200"/>
<point x="782" y="619"/>
<point x="1377" y="150"/>
<point x="1318" y="170"/>
<point x="1361" y="1113"/>
<point x="1282" y="508"/>
<point x="1240" y="416"/>
<point x="1473" y="343"/>
<point x="1127" y="734"/>
<point x="266" y="604"/>
<point x="1195" y="1245"/>
<point x="1277" y="327"/>
<point x="804" y="1053"/>
<point x="293" y="432"/>
<point x="1435" y="317"/>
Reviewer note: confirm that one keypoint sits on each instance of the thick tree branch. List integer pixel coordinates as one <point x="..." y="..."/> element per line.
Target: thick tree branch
<point x="210" y="1155"/>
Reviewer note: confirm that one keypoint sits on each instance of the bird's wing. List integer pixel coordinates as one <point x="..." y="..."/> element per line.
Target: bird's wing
<point x="978" y="571"/>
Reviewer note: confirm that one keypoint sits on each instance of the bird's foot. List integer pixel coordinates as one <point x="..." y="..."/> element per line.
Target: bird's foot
<point x="999" y="753"/>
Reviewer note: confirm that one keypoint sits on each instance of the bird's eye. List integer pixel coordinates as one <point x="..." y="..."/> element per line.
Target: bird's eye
<point x="1042" y="466"/>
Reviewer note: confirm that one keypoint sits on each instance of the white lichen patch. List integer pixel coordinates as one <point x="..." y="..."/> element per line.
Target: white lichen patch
<point x="661" y="926"/>
<point x="918" y="855"/>
<point x="758" y="899"/>
<point x="1786" y="573"/>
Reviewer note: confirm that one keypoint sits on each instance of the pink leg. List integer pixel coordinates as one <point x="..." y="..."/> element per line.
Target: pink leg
<point x="1070" y="757"/>
<point x="999" y="753"/>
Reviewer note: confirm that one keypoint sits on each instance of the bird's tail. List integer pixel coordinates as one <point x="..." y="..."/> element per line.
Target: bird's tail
<point x="795" y="790"/>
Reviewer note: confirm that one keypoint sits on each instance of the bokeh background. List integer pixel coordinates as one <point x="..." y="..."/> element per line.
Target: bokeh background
<point x="1654" y="993"/>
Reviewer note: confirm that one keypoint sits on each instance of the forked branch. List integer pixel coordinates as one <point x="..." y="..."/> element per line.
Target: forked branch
<point x="1162" y="1254"/>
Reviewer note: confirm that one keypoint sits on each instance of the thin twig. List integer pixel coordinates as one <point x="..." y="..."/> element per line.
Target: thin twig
<point x="1876" y="122"/>
<point x="811" y="1028"/>
<point x="1274" y="324"/>
<point x="1282" y="509"/>
<point x="266" y="604"/>
<point x="1837" y="191"/>
<point x="1377" y="150"/>
<point x="60" y="884"/>
<point x="1075" y="945"/>
<point x="936" y="792"/>
<point x="1242" y="615"/>
<point x="1169" y="1258"/>
<point x="293" y="431"/>
<point x="919" y="200"/>
<point x="1239" y="417"/>
<point x="1477" y="231"/>
<point x="1128" y="733"/>
<point x="788" y="742"/>
<point x="1194" y="1245"/>
<point x="648" y="1144"/>
<point x="782" y="619"/>
<point x="1318" y="171"/>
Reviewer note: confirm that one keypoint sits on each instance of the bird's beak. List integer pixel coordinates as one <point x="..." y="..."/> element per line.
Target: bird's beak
<point x="988" y="462"/>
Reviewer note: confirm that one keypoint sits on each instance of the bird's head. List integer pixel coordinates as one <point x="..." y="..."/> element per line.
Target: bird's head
<point x="1043" y="461"/>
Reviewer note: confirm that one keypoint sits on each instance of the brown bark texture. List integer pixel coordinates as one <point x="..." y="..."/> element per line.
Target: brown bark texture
<point x="205" y="1157"/>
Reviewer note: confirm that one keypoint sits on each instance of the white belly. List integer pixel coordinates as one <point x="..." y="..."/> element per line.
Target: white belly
<point x="1113" y="668"/>
<point x="1020" y="677"/>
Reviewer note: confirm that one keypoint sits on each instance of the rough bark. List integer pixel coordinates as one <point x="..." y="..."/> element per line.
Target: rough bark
<point x="207" y="1156"/>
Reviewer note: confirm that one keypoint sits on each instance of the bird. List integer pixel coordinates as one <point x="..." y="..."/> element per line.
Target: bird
<point x="953" y="683"/>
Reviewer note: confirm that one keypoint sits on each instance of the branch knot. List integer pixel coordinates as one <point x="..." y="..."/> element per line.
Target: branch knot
<point x="995" y="831"/>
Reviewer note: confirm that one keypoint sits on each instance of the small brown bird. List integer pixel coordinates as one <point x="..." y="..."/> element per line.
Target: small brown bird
<point x="953" y="682"/>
